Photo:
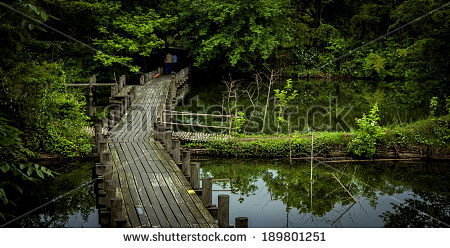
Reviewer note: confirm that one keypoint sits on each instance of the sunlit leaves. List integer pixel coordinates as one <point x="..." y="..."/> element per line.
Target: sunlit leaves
<point x="128" y="35"/>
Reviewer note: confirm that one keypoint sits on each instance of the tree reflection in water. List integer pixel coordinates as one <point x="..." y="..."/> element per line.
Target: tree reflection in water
<point x="325" y="202"/>
<point x="77" y="209"/>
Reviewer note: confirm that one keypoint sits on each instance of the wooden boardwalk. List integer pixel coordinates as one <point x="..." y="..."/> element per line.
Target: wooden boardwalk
<point x="155" y="192"/>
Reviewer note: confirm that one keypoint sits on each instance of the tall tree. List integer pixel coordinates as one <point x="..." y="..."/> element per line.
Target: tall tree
<point x="234" y="33"/>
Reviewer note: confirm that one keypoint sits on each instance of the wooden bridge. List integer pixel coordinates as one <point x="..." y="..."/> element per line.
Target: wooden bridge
<point x="139" y="183"/>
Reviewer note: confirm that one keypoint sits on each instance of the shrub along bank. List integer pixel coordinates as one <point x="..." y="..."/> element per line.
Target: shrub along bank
<point x="425" y="139"/>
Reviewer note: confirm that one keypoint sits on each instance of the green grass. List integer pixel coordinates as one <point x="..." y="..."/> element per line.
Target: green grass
<point x="429" y="135"/>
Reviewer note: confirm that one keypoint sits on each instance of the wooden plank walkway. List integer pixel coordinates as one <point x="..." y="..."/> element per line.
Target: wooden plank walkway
<point x="155" y="192"/>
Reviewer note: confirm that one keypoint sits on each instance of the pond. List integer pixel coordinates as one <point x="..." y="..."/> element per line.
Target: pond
<point x="322" y="104"/>
<point x="76" y="209"/>
<point x="275" y="193"/>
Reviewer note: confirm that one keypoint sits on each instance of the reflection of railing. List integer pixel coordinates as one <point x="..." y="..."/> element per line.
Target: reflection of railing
<point x="169" y="114"/>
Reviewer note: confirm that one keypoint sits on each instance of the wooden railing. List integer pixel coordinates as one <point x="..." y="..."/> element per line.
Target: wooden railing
<point x="169" y="114"/>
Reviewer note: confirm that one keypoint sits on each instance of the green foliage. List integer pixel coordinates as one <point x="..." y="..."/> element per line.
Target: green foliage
<point x="238" y="33"/>
<point x="238" y="122"/>
<point x="429" y="136"/>
<point x="370" y="21"/>
<point x="275" y="147"/>
<point x="52" y="116"/>
<point x="374" y="63"/>
<point x="433" y="106"/>
<point x="14" y="165"/>
<point x="364" y="145"/>
<point x="447" y="105"/>
<point x="283" y="98"/>
<point x="130" y="35"/>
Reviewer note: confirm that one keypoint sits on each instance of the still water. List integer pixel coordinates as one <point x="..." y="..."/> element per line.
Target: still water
<point x="273" y="193"/>
<point x="76" y="209"/>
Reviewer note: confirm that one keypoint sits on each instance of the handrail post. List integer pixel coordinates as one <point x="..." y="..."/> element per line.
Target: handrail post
<point x="224" y="211"/>
<point x="207" y="191"/>
<point x="185" y="167"/>
<point x="241" y="222"/>
<point x="195" y="175"/>
<point x="176" y="146"/>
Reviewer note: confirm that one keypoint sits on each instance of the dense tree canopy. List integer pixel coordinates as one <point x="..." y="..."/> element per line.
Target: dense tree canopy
<point x="236" y="33"/>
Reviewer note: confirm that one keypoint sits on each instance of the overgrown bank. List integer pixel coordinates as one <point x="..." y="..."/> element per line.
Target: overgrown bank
<point x="423" y="139"/>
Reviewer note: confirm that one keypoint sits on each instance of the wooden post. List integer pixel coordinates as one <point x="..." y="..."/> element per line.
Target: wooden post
<point x="159" y="132"/>
<point x="127" y="102"/>
<point x="176" y="146"/>
<point x="241" y="222"/>
<point x="99" y="137"/>
<point x="167" y="115"/>
<point x="105" y="157"/>
<point x="99" y="169"/>
<point x="224" y="211"/>
<point x="97" y="131"/>
<point x="110" y="189"/>
<point x="112" y="117"/>
<point x="105" y="122"/>
<point x="116" y="211"/>
<point x="152" y="75"/>
<point x="207" y="191"/>
<point x="105" y="217"/>
<point x="92" y="81"/>
<point x="168" y="141"/>
<point x="132" y="93"/>
<point x="195" y="175"/>
<point x="122" y="82"/>
<point x="91" y="104"/>
<point x="108" y="172"/>
<point x="121" y="223"/>
<point x="123" y="107"/>
<point x="114" y="89"/>
<point x="185" y="166"/>
<point x="101" y="147"/>
<point x="100" y="181"/>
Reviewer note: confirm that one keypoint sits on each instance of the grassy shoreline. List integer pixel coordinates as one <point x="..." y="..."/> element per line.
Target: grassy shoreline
<point x="427" y="139"/>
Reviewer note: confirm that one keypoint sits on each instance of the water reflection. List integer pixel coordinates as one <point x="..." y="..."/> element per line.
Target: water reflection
<point x="74" y="210"/>
<point x="276" y="194"/>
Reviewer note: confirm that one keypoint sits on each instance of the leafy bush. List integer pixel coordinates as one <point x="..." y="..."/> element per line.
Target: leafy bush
<point x="369" y="131"/>
<point x="238" y="122"/>
<point x="274" y="147"/>
<point x="433" y="106"/>
<point x="14" y="164"/>
<point x="430" y="134"/>
<point x="52" y="116"/>
<point x="283" y="97"/>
